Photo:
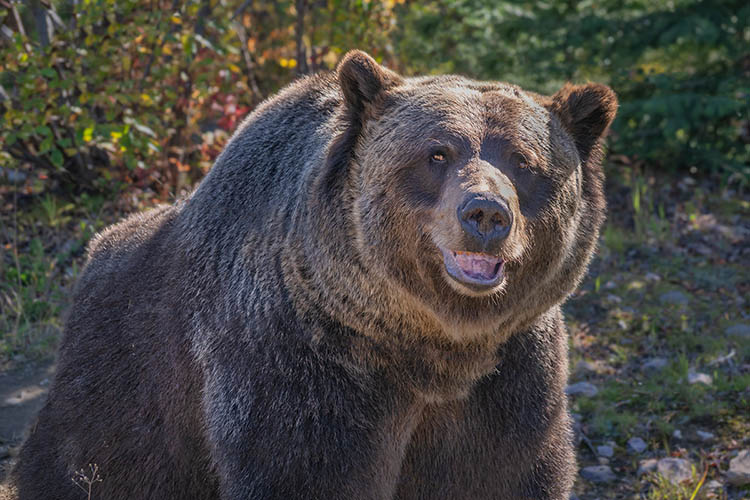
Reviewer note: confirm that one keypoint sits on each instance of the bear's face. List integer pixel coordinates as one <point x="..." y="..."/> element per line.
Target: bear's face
<point x="475" y="197"/>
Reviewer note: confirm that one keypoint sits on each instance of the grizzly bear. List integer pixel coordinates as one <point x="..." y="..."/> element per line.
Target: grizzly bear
<point x="361" y="300"/>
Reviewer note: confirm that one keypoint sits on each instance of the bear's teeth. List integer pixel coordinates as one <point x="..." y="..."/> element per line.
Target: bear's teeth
<point x="477" y="265"/>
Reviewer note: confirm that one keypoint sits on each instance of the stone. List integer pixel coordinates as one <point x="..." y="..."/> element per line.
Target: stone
<point x="654" y="364"/>
<point x="637" y="445"/>
<point x="677" y="434"/>
<point x="647" y="465"/>
<point x="738" y="330"/>
<point x="577" y="431"/>
<point x="675" y="297"/>
<point x="598" y="474"/>
<point x="615" y="299"/>
<point x="713" y="485"/>
<point x="582" y="388"/>
<point x="699" y="378"/>
<point x="652" y="277"/>
<point x="739" y="469"/>
<point x="585" y="366"/>
<point x="605" y="451"/>
<point x="675" y="470"/>
<point x="704" y="436"/>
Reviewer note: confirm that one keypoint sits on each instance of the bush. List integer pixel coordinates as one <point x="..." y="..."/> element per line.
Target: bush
<point x="145" y="94"/>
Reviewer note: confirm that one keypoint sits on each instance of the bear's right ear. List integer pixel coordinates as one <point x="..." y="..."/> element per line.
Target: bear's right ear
<point x="362" y="80"/>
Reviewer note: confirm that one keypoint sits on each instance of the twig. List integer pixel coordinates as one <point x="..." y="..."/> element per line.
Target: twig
<point x="299" y="32"/>
<point x="700" y="484"/>
<point x="241" y="9"/>
<point x="40" y="19"/>
<point x="239" y="28"/>
<point x="16" y="260"/>
<point x="723" y="359"/>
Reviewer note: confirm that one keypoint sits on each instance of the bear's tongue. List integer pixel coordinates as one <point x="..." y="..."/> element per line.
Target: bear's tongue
<point x="478" y="265"/>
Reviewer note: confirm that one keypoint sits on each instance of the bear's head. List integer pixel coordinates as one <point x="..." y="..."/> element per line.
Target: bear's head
<point x="481" y="201"/>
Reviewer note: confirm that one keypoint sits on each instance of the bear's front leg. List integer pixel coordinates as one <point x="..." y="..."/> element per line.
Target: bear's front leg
<point x="285" y="423"/>
<point x="510" y="439"/>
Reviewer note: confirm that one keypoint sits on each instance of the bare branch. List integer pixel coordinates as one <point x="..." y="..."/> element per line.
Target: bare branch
<point x="239" y="28"/>
<point x="299" y="32"/>
<point x="241" y="9"/>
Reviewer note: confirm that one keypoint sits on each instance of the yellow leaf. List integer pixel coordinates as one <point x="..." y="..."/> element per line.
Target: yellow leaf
<point x="23" y="57"/>
<point x="146" y="98"/>
<point x="167" y="49"/>
<point x="292" y="63"/>
<point x="115" y="135"/>
<point x="234" y="68"/>
<point x="176" y="20"/>
<point x="88" y="134"/>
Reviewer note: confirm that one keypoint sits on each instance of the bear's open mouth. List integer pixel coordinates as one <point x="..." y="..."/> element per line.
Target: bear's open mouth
<point x="479" y="270"/>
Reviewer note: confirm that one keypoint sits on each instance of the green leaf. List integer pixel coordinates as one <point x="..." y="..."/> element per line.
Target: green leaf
<point x="57" y="158"/>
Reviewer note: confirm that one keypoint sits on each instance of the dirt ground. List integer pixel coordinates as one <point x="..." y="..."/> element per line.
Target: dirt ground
<point x="22" y="393"/>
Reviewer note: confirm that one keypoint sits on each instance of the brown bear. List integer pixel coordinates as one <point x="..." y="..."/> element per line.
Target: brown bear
<point x="360" y="301"/>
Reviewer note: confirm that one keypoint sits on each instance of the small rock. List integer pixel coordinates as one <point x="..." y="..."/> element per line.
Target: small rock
<point x="739" y="469"/>
<point x="677" y="434"/>
<point x="652" y="277"/>
<point x="582" y="388"/>
<point x="713" y="485"/>
<point x="598" y="474"/>
<point x="605" y="451"/>
<point x="610" y="285"/>
<point x="675" y="470"/>
<point x="19" y="358"/>
<point x="615" y="299"/>
<point x="585" y="366"/>
<point x="14" y="176"/>
<point x="704" y="436"/>
<point x="646" y="466"/>
<point x="674" y="297"/>
<point x="689" y="181"/>
<point x="577" y="431"/>
<point x="637" y="445"/>
<point x="654" y="364"/>
<point x="602" y="460"/>
<point x="4" y="452"/>
<point x="699" y="378"/>
<point x="738" y="330"/>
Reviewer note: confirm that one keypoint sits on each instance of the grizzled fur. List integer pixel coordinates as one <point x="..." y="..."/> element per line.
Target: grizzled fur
<point x="289" y="330"/>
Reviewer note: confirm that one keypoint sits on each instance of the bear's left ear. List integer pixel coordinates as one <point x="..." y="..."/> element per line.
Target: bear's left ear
<point x="362" y="80"/>
<point x="586" y="111"/>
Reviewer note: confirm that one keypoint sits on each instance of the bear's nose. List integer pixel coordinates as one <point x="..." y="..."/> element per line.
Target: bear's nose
<point x="485" y="218"/>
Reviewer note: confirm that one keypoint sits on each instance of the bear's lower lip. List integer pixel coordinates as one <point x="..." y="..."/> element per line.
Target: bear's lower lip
<point x="479" y="271"/>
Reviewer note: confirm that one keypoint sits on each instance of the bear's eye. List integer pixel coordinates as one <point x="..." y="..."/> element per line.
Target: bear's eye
<point x="437" y="157"/>
<point x="520" y="160"/>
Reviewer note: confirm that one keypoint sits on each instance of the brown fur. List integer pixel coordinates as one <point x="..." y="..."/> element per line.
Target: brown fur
<point x="289" y="330"/>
